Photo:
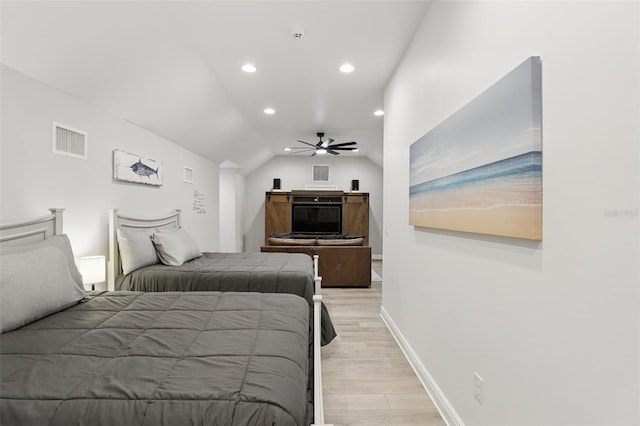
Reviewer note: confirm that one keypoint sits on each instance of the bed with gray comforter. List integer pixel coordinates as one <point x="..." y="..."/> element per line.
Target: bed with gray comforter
<point x="272" y="273"/>
<point x="172" y="358"/>
<point x="260" y="272"/>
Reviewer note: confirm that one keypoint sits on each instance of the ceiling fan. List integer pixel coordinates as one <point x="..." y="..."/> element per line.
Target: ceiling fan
<point x="325" y="145"/>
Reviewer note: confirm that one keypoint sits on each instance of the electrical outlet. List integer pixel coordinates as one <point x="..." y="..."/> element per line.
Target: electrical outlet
<point x="477" y="387"/>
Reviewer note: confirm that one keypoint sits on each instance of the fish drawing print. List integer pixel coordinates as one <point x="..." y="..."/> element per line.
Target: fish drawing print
<point x="135" y="168"/>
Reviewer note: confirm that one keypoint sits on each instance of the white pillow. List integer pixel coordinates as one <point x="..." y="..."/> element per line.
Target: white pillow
<point x="175" y="247"/>
<point x="136" y="249"/>
<point x="34" y="284"/>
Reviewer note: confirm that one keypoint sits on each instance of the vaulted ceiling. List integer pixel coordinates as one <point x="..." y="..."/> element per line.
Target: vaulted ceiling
<point x="174" y="67"/>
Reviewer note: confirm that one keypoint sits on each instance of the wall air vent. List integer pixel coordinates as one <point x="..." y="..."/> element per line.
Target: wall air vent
<point x="188" y="174"/>
<point x="320" y="173"/>
<point x="69" y="141"/>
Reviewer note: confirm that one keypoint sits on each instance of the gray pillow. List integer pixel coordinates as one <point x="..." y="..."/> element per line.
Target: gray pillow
<point x="175" y="247"/>
<point x="34" y="284"/>
<point x="136" y="249"/>
<point x="61" y="242"/>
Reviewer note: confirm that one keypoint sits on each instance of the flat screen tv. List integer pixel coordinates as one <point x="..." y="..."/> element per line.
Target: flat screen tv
<point x="316" y="219"/>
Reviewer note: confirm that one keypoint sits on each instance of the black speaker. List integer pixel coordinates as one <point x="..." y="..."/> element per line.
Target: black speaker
<point x="355" y="185"/>
<point x="276" y="183"/>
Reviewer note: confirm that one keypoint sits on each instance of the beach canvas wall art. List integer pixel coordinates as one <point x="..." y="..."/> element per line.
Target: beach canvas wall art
<point x="480" y="170"/>
<point x="135" y="168"/>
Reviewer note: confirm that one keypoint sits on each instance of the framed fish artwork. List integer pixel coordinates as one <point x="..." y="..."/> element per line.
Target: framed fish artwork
<point x="480" y="170"/>
<point x="135" y="168"/>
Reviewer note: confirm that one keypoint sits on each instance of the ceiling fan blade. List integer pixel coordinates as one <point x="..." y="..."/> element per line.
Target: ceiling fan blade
<point x="300" y="150"/>
<point x="343" y="144"/>
<point x="314" y="153"/>
<point x="330" y="151"/>
<point x="306" y="143"/>
<point x="346" y="148"/>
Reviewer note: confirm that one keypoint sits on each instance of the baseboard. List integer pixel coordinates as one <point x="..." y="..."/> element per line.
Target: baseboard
<point x="439" y="399"/>
<point x="376" y="257"/>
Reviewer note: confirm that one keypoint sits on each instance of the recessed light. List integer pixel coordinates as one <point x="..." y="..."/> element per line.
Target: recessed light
<point x="378" y="112"/>
<point x="269" y="111"/>
<point x="355" y="150"/>
<point x="286" y="148"/>
<point x="249" y="68"/>
<point x="346" y="68"/>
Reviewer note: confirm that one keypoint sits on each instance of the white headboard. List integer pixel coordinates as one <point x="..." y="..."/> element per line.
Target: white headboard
<point x="33" y="230"/>
<point x="118" y="220"/>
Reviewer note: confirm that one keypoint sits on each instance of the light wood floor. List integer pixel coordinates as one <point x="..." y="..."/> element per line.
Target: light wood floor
<point x="366" y="378"/>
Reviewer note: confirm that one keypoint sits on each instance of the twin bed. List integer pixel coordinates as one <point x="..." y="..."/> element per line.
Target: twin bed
<point x="231" y="357"/>
<point x="212" y="271"/>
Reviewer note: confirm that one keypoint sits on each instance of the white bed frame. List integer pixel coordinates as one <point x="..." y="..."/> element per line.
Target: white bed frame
<point x="171" y="220"/>
<point x="116" y="221"/>
<point x="31" y="231"/>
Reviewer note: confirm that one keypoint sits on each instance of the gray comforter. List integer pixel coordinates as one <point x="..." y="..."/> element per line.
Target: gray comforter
<point x="129" y="358"/>
<point x="259" y="272"/>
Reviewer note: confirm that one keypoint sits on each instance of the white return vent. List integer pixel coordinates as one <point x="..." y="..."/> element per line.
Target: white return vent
<point x="69" y="141"/>
<point x="188" y="174"/>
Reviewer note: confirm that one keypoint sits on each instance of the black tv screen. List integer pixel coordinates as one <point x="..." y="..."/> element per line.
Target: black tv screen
<point x="316" y="219"/>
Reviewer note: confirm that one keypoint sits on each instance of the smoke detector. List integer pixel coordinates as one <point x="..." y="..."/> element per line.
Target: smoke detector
<point x="297" y="32"/>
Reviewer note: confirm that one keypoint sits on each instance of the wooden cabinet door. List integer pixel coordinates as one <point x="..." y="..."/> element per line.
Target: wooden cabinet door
<point x="355" y="215"/>
<point x="277" y="214"/>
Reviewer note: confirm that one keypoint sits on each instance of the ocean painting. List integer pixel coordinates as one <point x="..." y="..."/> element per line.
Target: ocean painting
<point x="480" y="170"/>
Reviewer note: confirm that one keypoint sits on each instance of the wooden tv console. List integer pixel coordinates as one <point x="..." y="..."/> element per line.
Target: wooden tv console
<point x="355" y="210"/>
<point x="339" y="266"/>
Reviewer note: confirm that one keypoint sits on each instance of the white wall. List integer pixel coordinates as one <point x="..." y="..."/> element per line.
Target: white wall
<point x="34" y="179"/>
<point x="240" y="210"/>
<point x="552" y="327"/>
<point x="295" y="172"/>
<point x="230" y="216"/>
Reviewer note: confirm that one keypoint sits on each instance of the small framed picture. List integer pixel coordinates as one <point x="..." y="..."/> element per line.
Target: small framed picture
<point x="135" y="168"/>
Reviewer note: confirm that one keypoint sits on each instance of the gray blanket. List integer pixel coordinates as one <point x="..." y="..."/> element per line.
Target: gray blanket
<point x="259" y="272"/>
<point x="161" y="359"/>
